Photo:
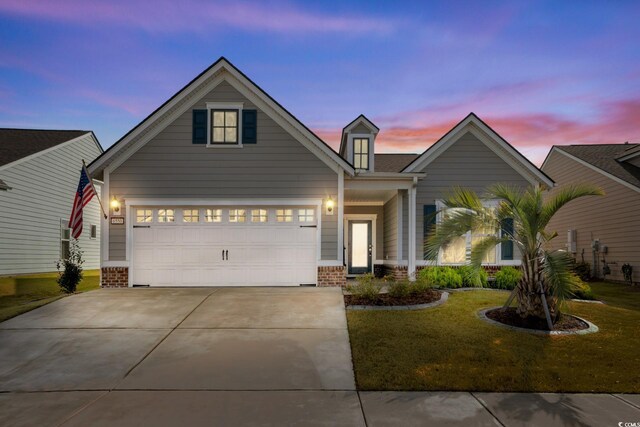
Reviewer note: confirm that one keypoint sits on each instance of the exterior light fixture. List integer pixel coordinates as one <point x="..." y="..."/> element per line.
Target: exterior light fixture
<point x="330" y="205"/>
<point x="115" y="206"/>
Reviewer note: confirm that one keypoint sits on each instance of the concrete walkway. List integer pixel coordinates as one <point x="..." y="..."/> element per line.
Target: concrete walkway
<point x="231" y="356"/>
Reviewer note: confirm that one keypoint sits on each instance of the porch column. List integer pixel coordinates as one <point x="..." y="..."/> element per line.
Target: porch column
<point x="411" y="244"/>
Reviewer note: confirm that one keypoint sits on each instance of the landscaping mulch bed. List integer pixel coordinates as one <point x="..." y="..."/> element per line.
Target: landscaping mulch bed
<point x="508" y="316"/>
<point x="387" y="300"/>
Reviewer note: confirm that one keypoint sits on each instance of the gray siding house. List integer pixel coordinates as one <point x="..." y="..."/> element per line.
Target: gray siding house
<point x="39" y="173"/>
<point x="223" y="186"/>
<point x="612" y="220"/>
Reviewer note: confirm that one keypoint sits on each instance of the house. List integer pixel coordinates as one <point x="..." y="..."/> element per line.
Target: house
<point x="223" y="186"/>
<point x="600" y="230"/>
<point x="39" y="173"/>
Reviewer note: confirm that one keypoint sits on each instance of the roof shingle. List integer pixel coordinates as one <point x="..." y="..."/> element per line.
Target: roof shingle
<point x="18" y="143"/>
<point x="603" y="156"/>
<point x="392" y="162"/>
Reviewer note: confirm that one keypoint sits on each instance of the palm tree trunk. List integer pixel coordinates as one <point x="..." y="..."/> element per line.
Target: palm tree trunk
<point x="531" y="303"/>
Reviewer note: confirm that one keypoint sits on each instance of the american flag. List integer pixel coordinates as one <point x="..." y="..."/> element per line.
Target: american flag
<point x="84" y="194"/>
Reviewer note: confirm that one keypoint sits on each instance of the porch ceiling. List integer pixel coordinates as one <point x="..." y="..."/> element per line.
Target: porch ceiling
<point x="361" y="196"/>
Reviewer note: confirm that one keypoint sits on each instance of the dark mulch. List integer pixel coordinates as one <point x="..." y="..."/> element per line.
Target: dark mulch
<point x="387" y="300"/>
<point x="508" y="316"/>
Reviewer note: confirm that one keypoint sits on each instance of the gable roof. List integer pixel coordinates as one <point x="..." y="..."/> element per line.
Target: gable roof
<point x="604" y="157"/>
<point x="494" y="141"/>
<point x="140" y="134"/>
<point x="353" y="123"/>
<point x="16" y="144"/>
<point x="393" y="162"/>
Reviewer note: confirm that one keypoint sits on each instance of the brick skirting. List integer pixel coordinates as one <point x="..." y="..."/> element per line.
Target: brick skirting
<point x="332" y="276"/>
<point x="114" y="277"/>
<point x="398" y="272"/>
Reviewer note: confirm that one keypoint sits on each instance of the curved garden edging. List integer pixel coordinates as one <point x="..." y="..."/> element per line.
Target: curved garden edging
<point x="443" y="298"/>
<point x="590" y="330"/>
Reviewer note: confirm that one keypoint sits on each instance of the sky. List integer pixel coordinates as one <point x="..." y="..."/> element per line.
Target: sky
<point x="538" y="72"/>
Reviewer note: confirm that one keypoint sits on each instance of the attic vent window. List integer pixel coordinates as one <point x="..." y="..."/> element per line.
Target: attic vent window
<point x="361" y="153"/>
<point x="224" y="126"/>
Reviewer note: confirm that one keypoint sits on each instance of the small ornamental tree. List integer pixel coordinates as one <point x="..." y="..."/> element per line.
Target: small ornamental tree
<point x="70" y="269"/>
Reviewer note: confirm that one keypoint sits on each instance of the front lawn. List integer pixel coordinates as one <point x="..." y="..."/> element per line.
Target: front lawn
<point x="24" y="293"/>
<point x="450" y="348"/>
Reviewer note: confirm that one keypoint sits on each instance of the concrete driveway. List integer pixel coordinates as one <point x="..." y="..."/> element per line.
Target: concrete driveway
<point x="224" y="356"/>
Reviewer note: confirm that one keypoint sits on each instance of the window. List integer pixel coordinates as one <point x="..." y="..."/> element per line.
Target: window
<point x="259" y="215"/>
<point x="213" y="215"/>
<point x="166" y="215"/>
<point x="224" y="126"/>
<point x="144" y="215"/>
<point x="361" y="153"/>
<point x="93" y="231"/>
<point x="305" y="215"/>
<point x="237" y="215"/>
<point x="458" y="251"/>
<point x="284" y="215"/>
<point x="65" y="240"/>
<point x="190" y="215"/>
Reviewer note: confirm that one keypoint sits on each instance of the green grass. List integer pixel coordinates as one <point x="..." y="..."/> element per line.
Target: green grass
<point x="450" y="348"/>
<point x="24" y="293"/>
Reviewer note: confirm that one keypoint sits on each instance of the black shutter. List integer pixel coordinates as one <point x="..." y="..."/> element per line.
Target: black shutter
<point x="249" y="126"/>
<point x="199" y="135"/>
<point x="428" y="221"/>
<point x="507" y="247"/>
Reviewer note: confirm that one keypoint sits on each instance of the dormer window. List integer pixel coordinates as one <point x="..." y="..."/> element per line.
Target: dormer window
<point x="361" y="153"/>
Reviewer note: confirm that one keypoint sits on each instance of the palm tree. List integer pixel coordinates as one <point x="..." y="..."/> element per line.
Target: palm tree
<point x="547" y="279"/>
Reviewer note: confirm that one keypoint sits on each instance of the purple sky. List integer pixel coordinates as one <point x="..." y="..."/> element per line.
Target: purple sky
<point x="540" y="73"/>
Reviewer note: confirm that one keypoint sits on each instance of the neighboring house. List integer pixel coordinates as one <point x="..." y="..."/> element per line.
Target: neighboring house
<point x="39" y="173"/>
<point x="612" y="220"/>
<point x="223" y="186"/>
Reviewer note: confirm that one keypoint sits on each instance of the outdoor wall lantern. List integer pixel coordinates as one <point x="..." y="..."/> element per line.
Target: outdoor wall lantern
<point x="115" y="206"/>
<point x="330" y="205"/>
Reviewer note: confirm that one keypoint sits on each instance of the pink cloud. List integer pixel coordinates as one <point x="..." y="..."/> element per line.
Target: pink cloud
<point x="533" y="134"/>
<point x="195" y="15"/>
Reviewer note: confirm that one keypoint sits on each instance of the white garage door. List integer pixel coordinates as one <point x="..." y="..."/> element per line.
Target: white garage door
<point x="225" y="246"/>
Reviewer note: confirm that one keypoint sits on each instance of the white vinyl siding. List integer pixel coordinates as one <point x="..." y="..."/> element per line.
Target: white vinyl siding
<point x="277" y="167"/>
<point x="43" y="189"/>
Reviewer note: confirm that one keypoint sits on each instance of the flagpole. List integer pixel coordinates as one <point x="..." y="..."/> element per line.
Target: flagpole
<point x="84" y="166"/>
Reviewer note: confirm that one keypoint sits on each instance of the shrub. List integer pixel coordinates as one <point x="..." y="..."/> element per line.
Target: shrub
<point x="473" y="277"/>
<point x="440" y="277"/>
<point x="400" y="288"/>
<point x="70" y="269"/>
<point x="582" y="290"/>
<point x="366" y="287"/>
<point x="582" y="270"/>
<point x="507" y="278"/>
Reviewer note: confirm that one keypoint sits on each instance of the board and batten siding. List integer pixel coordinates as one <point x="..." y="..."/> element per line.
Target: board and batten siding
<point x="40" y="200"/>
<point x="277" y="167"/>
<point x="467" y="163"/>
<point x="391" y="229"/>
<point x="613" y="218"/>
<point x="371" y="210"/>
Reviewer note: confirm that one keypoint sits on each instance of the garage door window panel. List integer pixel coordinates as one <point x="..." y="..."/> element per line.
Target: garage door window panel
<point x="237" y="215"/>
<point x="166" y="215"/>
<point x="306" y="215"/>
<point x="213" y="215"/>
<point x="191" y="215"/>
<point x="259" y="215"/>
<point x="144" y="215"/>
<point x="284" y="215"/>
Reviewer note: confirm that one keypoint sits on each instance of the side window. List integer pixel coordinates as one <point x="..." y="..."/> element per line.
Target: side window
<point x="65" y="239"/>
<point x="144" y="215"/>
<point x="284" y="215"/>
<point x="94" y="231"/>
<point x="305" y="215"/>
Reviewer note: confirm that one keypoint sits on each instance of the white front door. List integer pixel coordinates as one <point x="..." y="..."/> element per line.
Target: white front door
<point x="224" y="246"/>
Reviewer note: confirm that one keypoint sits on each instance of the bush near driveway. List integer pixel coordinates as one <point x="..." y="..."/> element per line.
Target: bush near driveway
<point x="20" y="294"/>
<point x="450" y="348"/>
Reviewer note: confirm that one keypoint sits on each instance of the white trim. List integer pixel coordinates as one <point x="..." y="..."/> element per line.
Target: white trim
<point x="491" y="139"/>
<point x="592" y="167"/>
<point x="364" y="203"/>
<point x="399" y="254"/>
<point x="50" y="149"/>
<point x="114" y="264"/>
<point x="366" y="217"/>
<point x="362" y="119"/>
<point x="411" y="244"/>
<point x="249" y="90"/>
<point x="341" y="205"/>
<point x="239" y="106"/>
<point x="351" y="153"/>
<point x="105" y="226"/>
<point x="329" y="263"/>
